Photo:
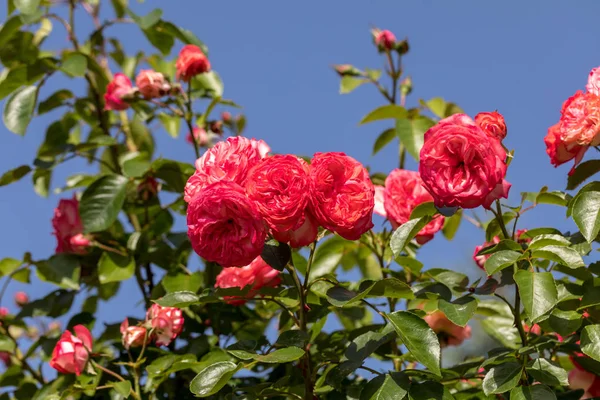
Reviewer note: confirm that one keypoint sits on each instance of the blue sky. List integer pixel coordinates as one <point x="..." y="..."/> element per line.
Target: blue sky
<point x="521" y="58"/>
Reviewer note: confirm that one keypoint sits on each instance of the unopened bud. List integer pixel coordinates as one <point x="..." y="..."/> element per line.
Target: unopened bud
<point x="21" y="299"/>
<point x="406" y="86"/>
<point x="385" y="40"/>
<point x="346" y="70"/>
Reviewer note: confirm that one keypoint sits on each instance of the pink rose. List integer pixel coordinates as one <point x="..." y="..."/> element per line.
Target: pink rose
<point x="535" y="329"/>
<point x="449" y="333"/>
<point x="68" y="228"/>
<point x="492" y="123"/>
<point x="226" y="161"/>
<point x="116" y="91"/>
<point x="199" y="135"/>
<point x="579" y="378"/>
<point x="579" y="124"/>
<point x="21" y="299"/>
<point x="191" y="62"/>
<point x="225" y="226"/>
<point x="71" y="353"/>
<point x="152" y="84"/>
<point x="379" y="201"/>
<point x="133" y="336"/>
<point x="385" y="40"/>
<point x="341" y="194"/>
<point x="279" y="186"/>
<point x="559" y="151"/>
<point x="461" y="165"/>
<point x="257" y="274"/>
<point x="593" y="84"/>
<point x="403" y="192"/>
<point x="166" y="322"/>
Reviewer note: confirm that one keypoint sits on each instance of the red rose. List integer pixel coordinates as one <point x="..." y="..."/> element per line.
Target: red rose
<point x="403" y="192"/>
<point x="341" y="194"/>
<point x="580" y="120"/>
<point x="593" y="85"/>
<point x="561" y="152"/>
<point x="133" y="336"/>
<point x="257" y="274"/>
<point x="152" y="84"/>
<point x="166" y="322"/>
<point x="21" y="298"/>
<point x="492" y="123"/>
<point x="279" y="187"/>
<point x="71" y="353"/>
<point x="224" y="226"/>
<point x="116" y="91"/>
<point x="461" y="165"/>
<point x="385" y="40"/>
<point x="191" y="62"/>
<point x="226" y="161"/>
<point x="68" y="228"/>
<point x="199" y="135"/>
<point x="448" y="332"/>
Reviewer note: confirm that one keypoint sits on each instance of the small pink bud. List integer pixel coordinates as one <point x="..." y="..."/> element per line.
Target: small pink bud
<point x="226" y="116"/>
<point x="21" y="299"/>
<point x="79" y="241"/>
<point x="3" y="312"/>
<point x="133" y="336"/>
<point x="200" y="136"/>
<point x="152" y="84"/>
<point x="116" y="91"/>
<point x="385" y="40"/>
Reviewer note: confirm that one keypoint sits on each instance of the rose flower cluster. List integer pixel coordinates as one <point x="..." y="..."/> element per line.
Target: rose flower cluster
<point x="579" y="126"/>
<point x="239" y="195"/>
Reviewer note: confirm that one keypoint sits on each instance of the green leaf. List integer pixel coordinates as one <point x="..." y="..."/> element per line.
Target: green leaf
<point x="586" y="214"/>
<point x="546" y="372"/>
<point x="418" y="338"/>
<point x="74" y="64"/>
<point x="582" y="172"/>
<point x="27" y="6"/>
<point x="451" y="225"/>
<point x="460" y="310"/>
<point x="284" y="355"/>
<point x="276" y="254"/>
<point x="389" y="287"/>
<point x="123" y="388"/>
<point x="6" y="344"/>
<point x="178" y="299"/>
<point x="538" y="292"/>
<point x="120" y="6"/>
<point x="540" y="241"/>
<point x="61" y="269"/>
<point x="182" y="34"/>
<point x="212" y="378"/>
<point x="411" y="133"/>
<point x="171" y="124"/>
<point x="14" y="175"/>
<point x="391" y="386"/>
<point x="9" y="28"/>
<point x="382" y="140"/>
<point x="423" y="209"/>
<point x="437" y="105"/>
<point x="535" y="392"/>
<point x="19" y="108"/>
<point x="210" y="83"/>
<point x="9" y="265"/>
<point x="349" y="83"/>
<point x="102" y="201"/>
<point x="502" y="378"/>
<point x="406" y="232"/>
<point x="390" y="111"/>
<point x="148" y="20"/>
<point x="501" y="260"/>
<point x="54" y="100"/>
<point x="562" y="255"/>
<point x="182" y="282"/>
<point x="564" y="322"/>
<point x="135" y="164"/>
<point x="292" y="338"/>
<point x="22" y="275"/>
<point x="590" y="341"/>
<point x="429" y="390"/>
<point x="115" y="267"/>
<point x="41" y="181"/>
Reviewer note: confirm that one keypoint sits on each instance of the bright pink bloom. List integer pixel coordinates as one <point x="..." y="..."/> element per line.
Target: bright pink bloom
<point x="257" y="274"/>
<point x="133" y="336"/>
<point x="492" y="123"/>
<point x="461" y="165"/>
<point x="230" y="160"/>
<point x="191" y="62"/>
<point x="593" y="84"/>
<point x="152" y="84"/>
<point x="579" y="378"/>
<point x="449" y="333"/>
<point x="68" y="228"/>
<point x="385" y="39"/>
<point x="21" y="298"/>
<point x="71" y="353"/>
<point x="3" y="312"/>
<point x="341" y="194"/>
<point x="579" y="124"/>
<point x="225" y="226"/>
<point x="167" y="323"/>
<point x="403" y="192"/>
<point x="116" y="91"/>
<point x="559" y="151"/>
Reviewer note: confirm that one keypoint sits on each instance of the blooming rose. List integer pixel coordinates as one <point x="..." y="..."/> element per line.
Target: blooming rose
<point x="191" y="62"/>
<point x="199" y="135"/>
<point x="559" y="151"/>
<point x="461" y="165"/>
<point x="403" y="192"/>
<point x="492" y="123"/>
<point x="152" y="84"/>
<point x="580" y="120"/>
<point x="68" y="228"/>
<point x="225" y="226"/>
<point x="385" y="39"/>
<point x="166" y="322"/>
<point x="449" y="333"/>
<point x="257" y="274"/>
<point x="593" y="85"/>
<point x="133" y="336"/>
<point x="279" y="187"/>
<point x="379" y="201"/>
<point x="341" y="194"/>
<point x="228" y="161"/>
<point x="480" y="260"/>
<point x="579" y="378"/>
<point x="71" y="353"/>
<point x="116" y="90"/>
<point x="21" y="298"/>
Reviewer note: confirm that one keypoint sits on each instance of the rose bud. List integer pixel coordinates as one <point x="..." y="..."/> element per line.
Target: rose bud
<point x="385" y="40"/>
<point x="346" y="70"/>
<point x="21" y="299"/>
<point x="199" y="135"/>
<point x="68" y="228"/>
<point x="191" y="62"/>
<point x="133" y="336"/>
<point x="166" y="322"/>
<point x="226" y="117"/>
<point x="72" y="352"/>
<point x="116" y="92"/>
<point x="152" y="84"/>
<point x="492" y="123"/>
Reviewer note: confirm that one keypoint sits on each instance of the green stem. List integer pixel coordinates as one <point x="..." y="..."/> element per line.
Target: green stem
<point x="115" y="375"/>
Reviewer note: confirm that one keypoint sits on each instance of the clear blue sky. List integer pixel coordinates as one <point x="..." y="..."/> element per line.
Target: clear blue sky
<point x="522" y="58"/>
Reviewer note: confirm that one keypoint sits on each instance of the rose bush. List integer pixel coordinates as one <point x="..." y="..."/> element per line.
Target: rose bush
<point x="302" y="293"/>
